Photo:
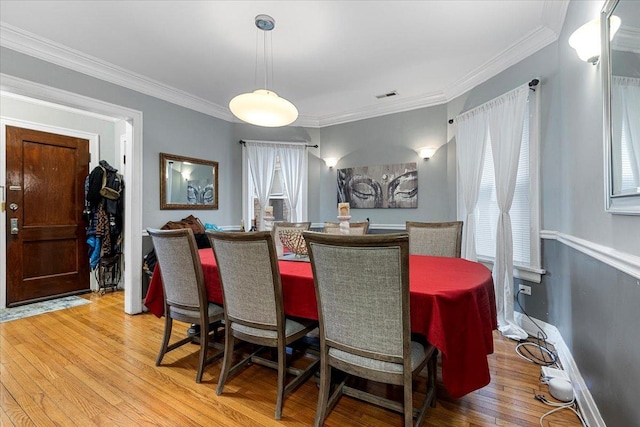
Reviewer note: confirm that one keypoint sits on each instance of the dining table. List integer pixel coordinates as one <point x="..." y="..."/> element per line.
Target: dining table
<point x="452" y="304"/>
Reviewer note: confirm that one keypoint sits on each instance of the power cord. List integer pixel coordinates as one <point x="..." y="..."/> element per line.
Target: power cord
<point x="571" y="405"/>
<point x="547" y="357"/>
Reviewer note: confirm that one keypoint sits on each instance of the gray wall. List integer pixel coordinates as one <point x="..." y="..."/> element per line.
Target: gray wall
<point x="387" y="140"/>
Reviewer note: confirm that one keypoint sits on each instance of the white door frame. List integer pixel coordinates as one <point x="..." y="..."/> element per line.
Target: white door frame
<point x="132" y="171"/>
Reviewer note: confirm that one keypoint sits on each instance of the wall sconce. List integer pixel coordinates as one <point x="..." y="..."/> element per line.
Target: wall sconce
<point x="331" y="161"/>
<point x="586" y="39"/>
<point x="426" y="152"/>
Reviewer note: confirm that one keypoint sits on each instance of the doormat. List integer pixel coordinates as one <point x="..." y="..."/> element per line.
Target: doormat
<point x="15" y="313"/>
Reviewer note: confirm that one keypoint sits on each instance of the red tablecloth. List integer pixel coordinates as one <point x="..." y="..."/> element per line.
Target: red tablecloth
<point x="452" y="305"/>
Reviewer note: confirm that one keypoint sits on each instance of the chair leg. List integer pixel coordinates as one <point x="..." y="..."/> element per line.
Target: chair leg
<point x="433" y="370"/>
<point x="168" y="323"/>
<point x="408" y="403"/>
<point x="282" y="368"/>
<point x="204" y="345"/>
<point x="228" y="356"/>
<point x="323" y="394"/>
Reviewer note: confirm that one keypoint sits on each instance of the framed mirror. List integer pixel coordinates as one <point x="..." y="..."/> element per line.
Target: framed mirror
<point x="620" y="64"/>
<point x="188" y="183"/>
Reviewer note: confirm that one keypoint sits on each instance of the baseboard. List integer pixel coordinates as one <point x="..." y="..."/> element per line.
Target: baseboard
<point x="587" y="405"/>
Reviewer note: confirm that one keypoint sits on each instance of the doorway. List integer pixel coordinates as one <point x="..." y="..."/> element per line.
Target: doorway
<point x="133" y="174"/>
<point x="46" y="248"/>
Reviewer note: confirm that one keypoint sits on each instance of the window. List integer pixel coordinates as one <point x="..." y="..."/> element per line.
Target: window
<point x="487" y="208"/>
<point x="277" y="198"/>
<point x="282" y="209"/>
<point x="628" y="180"/>
<point x="525" y="206"/>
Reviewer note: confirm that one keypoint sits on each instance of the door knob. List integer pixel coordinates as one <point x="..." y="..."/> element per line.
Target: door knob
<point x="14" y="225"/>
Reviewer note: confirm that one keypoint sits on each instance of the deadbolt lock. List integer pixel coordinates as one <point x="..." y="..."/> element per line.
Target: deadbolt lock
<point x="13" y="207"/>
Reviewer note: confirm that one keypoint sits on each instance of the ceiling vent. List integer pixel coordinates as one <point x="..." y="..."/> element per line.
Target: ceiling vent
<point x="387" y="95"/>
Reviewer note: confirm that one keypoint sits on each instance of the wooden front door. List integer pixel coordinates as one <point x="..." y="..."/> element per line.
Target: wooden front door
<point x="46" y="249"/>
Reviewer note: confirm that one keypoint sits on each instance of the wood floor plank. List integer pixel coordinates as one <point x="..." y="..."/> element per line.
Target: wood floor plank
<point x="12" y="413"/>
<point x="95" y="365"/>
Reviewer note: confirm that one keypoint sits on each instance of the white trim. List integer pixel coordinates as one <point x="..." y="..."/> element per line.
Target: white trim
<point x="627" y="263"/>
<point x="530" y="274"/>
<point x="585" y="401"/>
<point x="30" y="44"/>
<point x="535" y="251"/>
<point x="56" y="106"/>
<point x="132" y="172"/>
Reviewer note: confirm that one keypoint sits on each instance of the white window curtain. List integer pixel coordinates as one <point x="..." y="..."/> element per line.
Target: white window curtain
<point x="626" y="106"/>
<point x="506" y="118"/>
<point x="262" y="164"/>
<point x="471" y="139"/>
<point x="291" y="169"/>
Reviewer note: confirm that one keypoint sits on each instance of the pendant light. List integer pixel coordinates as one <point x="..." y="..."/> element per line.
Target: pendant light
<point x="264" y="107"/>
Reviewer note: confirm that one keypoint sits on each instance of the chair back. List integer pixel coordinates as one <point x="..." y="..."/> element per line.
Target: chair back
<point x="182" y="277"/>
<point x="279" y="226"/>
<point x="355" y="228"/>
<point x="362" y="290"/>
<point x="250" y="278"/>
<point x="435" y="238"/>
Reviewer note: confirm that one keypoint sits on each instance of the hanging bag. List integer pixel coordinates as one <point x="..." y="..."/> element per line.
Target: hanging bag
<point x="106" y="191"/>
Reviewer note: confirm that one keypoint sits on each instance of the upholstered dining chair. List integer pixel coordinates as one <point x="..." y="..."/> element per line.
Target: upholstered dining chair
<point x="351" y="307"/>
<point x="355" y="228"/>
<point x="254" y="308"/>
<point x="185" y="294"/>
<point x="435" y="238"/>
<point x="280" y="225"/>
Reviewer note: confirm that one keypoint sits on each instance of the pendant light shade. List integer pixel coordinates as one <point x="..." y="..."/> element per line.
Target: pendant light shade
<point x="263" y="107"/>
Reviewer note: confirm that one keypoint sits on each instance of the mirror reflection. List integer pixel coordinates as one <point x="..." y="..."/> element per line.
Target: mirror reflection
<point x="188" y="183"/>
<point x="625" y="101"/>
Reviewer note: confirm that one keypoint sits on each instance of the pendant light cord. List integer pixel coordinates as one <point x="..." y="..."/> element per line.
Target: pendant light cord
<point x="266" y="70"/>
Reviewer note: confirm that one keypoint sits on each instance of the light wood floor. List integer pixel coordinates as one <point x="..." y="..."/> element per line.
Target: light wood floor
<point x="93" y="365"/>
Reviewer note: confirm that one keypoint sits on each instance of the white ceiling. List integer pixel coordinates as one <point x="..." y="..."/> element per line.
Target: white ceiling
<point x="330" y="58"/>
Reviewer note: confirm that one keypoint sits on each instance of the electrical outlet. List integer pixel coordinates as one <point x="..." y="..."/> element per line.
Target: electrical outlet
<point x="525" y="289"/>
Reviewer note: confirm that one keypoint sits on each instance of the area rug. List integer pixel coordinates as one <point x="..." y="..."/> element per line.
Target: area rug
<point x="14" y="313"/>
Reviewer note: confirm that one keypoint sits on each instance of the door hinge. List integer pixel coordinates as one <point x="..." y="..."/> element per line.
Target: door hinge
<point x="89" y="157"/>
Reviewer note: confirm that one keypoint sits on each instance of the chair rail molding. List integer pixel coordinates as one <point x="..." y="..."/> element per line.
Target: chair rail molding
<point x="627" y="263"/>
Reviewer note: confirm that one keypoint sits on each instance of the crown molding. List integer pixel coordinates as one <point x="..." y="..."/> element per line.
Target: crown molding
<point x="30" y="44"/>
<point x="627" y="39"/>
<point x="398" y="106"/>
<point x="553" y="14"/>
<point x="516" y="52"/>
